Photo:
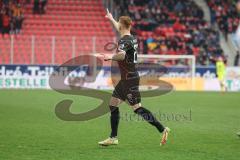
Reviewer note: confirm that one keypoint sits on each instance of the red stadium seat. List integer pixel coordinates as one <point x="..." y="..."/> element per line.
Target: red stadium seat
<point x="64" y="19"/>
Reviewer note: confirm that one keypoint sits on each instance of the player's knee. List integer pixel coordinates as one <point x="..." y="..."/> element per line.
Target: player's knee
<point x="114" y="110"/>
<point x="114" y="101"/>
<point x="138" y="110"/>
<point x="136" y="106"/>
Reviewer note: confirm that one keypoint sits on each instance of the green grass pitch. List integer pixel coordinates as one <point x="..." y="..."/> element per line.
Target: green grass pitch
<point x="30" y="130"/>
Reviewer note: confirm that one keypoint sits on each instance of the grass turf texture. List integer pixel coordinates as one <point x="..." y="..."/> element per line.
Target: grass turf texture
<point x="29" y="129"/>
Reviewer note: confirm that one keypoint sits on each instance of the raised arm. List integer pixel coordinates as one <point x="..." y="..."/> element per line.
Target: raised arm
<point x="112" y="20"/>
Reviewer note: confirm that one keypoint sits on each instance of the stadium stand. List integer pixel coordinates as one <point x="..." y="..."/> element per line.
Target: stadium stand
<point x="164" y="27"/>
<point x="172" y="27"/>
<point x="64" y="20"/>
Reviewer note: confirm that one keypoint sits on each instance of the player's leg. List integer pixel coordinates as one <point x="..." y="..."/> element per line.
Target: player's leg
<point x="115" y="101"/>
<point x="134" y="99"/>
<point x="115" y="115"/>
<point x="148" y="116"/>
<point x="151" y="119"/>
<point x="223" y="86"/>
<point x="222" y="83"/>
<point x="114" y="120"/>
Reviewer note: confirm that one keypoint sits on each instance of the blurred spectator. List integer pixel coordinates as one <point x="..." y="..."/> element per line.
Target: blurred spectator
<point x="39" y="6"/>
<point x="18" y="17"/>
<point x="36" y="8"/>
<point x="236" y="60"/>
<point x="11" y="16"/>
<point x="27" y="1"/>
<point x="5" y="24"/>
<point x="5" y="2"/>
<point x="43" y="4"/>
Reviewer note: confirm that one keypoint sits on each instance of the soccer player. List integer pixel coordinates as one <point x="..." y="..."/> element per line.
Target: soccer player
<point x="220" y="71"/>
<point x="220" y="68"/>
<point x="128" y="87"/>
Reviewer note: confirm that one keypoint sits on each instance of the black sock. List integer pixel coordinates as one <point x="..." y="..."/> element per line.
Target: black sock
<point x="114" y="120"/>
<point x="148" y="116"/>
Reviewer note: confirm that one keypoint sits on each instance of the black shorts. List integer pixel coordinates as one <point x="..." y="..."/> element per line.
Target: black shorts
<point x="128" y="90"/>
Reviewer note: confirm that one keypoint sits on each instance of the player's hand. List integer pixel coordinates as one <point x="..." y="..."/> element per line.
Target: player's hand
<point x="109" y="15"/>
<point x="106" y="57"/>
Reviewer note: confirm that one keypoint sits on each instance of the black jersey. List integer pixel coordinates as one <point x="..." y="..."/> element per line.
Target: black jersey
<point x="128" y="68"/>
